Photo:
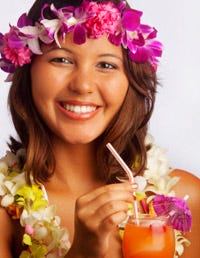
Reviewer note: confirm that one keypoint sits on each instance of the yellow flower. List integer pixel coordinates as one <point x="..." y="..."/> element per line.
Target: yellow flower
<point x="31" y="197"/>
<point x="27" y="239"/>
<point x="36" y="251"/>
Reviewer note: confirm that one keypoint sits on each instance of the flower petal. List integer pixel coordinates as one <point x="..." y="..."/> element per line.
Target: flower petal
<point x="131" y="19"/>
<point x="7" y="200"/>
<point x="24" y="21"/>
<point x="79" y="34"/>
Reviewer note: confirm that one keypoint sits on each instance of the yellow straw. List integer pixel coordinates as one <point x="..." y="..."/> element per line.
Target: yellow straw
<point x="128" y="172"/>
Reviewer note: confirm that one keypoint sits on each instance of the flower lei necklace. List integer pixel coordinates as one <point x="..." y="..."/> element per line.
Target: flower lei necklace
<point x="43" y="235"/>
<point x="90" y="20"/>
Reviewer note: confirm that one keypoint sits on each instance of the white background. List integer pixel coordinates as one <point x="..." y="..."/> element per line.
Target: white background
<point x="176" y="120"/>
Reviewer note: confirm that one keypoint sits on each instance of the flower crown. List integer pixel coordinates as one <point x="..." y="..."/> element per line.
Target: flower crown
<point x="90" y="20"/>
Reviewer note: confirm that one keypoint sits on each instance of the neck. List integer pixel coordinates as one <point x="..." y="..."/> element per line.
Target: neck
<point x="75" y="163"/>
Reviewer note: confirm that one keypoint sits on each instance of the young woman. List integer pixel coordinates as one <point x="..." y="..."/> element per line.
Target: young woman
<point x="83" y="74"/>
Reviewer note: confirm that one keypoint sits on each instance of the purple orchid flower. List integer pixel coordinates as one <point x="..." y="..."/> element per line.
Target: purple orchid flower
<point x="79" y="34"/>
<point x="131" y="19"/>
<point x="15" y="49"/>
<point x="24" y="21"/>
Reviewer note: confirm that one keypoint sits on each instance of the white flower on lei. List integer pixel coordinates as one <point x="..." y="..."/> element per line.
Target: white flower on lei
<point x="46" y="230"/>
<point x="46" y="215"/>
<point x="159" y="181"/>
<point x="5" y="163"/>
<point x="9" y="159"/>
<point x="158" y="170"/>
<point x="9" y="187"/>
<point x="180" y="241"/>
<point x="42" y="231"/>
<point x="3" y="173"/>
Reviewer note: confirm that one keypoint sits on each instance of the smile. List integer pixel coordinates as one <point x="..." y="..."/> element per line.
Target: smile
<point x="79" y="109"/>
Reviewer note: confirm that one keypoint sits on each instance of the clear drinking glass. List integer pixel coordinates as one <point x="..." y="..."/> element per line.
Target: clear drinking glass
<point x="148" y="237"/>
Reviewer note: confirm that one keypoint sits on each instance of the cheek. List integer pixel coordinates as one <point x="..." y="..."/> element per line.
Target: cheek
<point x="40" y="81"/>
<point x="37" y="78"/>
<point x="45" y="80"/>
<point x="116" y="91"/>
<point x="40" y="90"/>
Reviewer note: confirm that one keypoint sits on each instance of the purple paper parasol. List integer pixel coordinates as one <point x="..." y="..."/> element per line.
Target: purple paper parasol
<point x="179" y="215"/>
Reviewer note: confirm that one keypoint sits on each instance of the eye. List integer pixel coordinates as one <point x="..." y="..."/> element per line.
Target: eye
<point x="106" y="65"/>
<point x="62" y="60"/>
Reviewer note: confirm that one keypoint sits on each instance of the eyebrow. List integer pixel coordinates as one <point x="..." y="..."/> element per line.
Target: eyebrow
<point x="59" y="48"/>
<point x="71" y="52"/>
<point x="111" y="55"/>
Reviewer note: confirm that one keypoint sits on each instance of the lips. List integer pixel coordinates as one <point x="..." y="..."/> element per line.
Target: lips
<point x="76" y="110"/>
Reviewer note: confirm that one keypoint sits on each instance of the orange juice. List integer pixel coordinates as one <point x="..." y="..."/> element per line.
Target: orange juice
<point x="148" y="238"/>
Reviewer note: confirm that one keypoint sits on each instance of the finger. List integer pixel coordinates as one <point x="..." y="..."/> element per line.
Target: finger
<point x="106" y="202"/>
<point x="109" y="209"/>
<point x="107" y="189"/>
<point x="110" y="198"/>
<point x="112" y="221"/>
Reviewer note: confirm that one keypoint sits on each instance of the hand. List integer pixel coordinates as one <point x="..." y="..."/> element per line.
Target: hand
<point x="96" y="215"/>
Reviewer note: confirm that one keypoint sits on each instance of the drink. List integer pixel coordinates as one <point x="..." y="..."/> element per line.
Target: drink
<point x="148" y="237"/>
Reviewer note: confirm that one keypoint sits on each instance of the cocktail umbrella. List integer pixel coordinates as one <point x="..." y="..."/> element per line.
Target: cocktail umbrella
<point x="176" y="209"/>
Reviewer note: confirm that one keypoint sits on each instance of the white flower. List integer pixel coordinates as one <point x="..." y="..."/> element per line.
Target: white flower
<point x="60" y="239"/>
<point x="149" y="139"/>
<point x="2" y="187"/>
<point x="43" y="221"/>
<point x="7" y="200"/>
<point x="30" y="218"/>
<point x="10" y="158"/>
<point x="158" y="170"/>
<point x="157" y="162"/>
<point x="142" y="182"/>
<point x="3" y="167"/>
<point x="180" y="241"/>
<point x="41" y="231"/>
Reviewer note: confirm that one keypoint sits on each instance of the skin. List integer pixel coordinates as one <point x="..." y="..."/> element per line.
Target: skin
<point x="190" y="184"/>
<point x="93" y="79"/>
<point x="89" y="75"/>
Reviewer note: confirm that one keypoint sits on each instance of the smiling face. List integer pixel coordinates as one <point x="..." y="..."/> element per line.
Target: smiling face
<point x="78" y="89"/>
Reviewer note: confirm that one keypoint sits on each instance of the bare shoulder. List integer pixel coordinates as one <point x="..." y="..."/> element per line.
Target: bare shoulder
<point x="6" y="234"/>
<point x="189" y="184"/>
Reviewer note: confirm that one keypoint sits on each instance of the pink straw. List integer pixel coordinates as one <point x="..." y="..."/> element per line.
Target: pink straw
<point x="128" y="172"/>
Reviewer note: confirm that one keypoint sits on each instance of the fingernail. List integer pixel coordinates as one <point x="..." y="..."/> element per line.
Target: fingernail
<point x="134" y="186"/>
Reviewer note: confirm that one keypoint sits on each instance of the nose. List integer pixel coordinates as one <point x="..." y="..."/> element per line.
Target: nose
<point x="82" y="81"/>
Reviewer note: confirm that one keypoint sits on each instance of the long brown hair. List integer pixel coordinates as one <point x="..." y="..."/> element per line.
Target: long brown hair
<point x="126" y="132"/>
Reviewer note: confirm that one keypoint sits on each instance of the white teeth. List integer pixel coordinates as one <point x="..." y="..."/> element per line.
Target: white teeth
<point x="79" y="109"/>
